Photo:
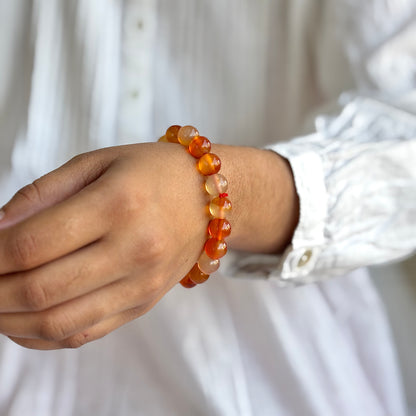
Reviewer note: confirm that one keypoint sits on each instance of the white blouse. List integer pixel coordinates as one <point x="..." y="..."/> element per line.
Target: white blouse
<point x="79" y="75"/>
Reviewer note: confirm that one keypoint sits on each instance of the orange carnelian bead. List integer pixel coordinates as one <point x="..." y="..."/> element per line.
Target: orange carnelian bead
<point x="215" y="248"/>
<point x="186" y="134"/>
<point x="219" y="207"/>
<point x="196" y="276"/>
<point x="207" y="265"/>
<point x="163" y="139"/>
<point x="187" y="282"/>
<point x="209" y="164"/>
<point x="219" y="228"/>
<point x="216" y="184"/>
<point x="172" y="133"/>
<point x="199" y="146"/>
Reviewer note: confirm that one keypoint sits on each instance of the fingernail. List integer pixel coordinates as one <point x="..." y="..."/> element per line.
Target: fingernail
<point x="2" y="214"/>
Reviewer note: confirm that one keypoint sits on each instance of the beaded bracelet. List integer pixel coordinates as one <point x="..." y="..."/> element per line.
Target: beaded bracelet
<point x="216" y="185"/>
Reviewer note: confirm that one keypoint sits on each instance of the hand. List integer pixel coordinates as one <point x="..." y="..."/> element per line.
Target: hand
<point x="97" y="242"/>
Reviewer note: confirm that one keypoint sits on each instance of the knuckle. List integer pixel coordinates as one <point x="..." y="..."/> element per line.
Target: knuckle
<point x="124" y="203"/>
<point x="35" y="296"/>
<point x="30" y="192"/>
<point x="90" y="166"/>
<point x="156" y="246"/>
<point x="22" y="248"/>
<point x="81" y="157"/>
<point x="134" y="313"/>
<point x="150" y="248"/>
<point x="147" y="290"/>
<point x="153" y="287"/>
<point x="75" y="341"/>
<point x="52" y="328"/>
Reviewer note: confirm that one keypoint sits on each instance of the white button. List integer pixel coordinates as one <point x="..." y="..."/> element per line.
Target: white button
<point x="305" y="258"/>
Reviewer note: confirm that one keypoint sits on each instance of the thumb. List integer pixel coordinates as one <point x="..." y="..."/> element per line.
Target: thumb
<point x="54" y="187"/>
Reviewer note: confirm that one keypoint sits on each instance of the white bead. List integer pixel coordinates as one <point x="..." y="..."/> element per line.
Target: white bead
<point x="216" y="184"/>
<point x="208" y="265"/>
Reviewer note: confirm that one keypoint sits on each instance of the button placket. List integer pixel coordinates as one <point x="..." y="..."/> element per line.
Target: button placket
<point x="135" y="117"/>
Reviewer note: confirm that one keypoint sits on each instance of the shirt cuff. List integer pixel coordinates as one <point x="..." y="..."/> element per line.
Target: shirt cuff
<point x="297" y="263"/>
<point x="299" y="259"/>
<point x="347" y="219"/>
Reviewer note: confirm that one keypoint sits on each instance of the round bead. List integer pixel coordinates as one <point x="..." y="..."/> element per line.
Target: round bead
<point x="163" y="139"/>
<point x="207" y="265"/>
<point x="199" y="146"/>
<point x="172" y="134"/>
<point x="187" y="282"/>
<point x="215" y="248"/>
<point x="219" y="207"/>
<point x="186" y="134"/>
<point x="209" y="164"/>
<point x="197" y="276"/>
<point x="219" y="228"/>
<point x="216" y="184"/>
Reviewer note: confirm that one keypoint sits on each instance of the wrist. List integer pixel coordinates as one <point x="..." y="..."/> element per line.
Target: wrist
<point x="265" y="203"/>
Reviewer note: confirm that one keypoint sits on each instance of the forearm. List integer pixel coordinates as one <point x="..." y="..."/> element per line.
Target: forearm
<point x="265" y="204"/>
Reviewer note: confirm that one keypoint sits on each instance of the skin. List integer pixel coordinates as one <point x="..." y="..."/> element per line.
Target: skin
<point x="99" y="241"/>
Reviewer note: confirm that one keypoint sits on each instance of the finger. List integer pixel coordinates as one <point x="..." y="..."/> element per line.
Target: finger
<point x="56" y="231"/>
<point x="56" y="282"/>
<point x="88" y="335"/>
<point x="63" y="321"/>
<point x="55" y="187"/>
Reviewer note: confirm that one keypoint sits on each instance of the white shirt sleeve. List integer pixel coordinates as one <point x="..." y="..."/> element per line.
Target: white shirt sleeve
<point x="356" y="181"/>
